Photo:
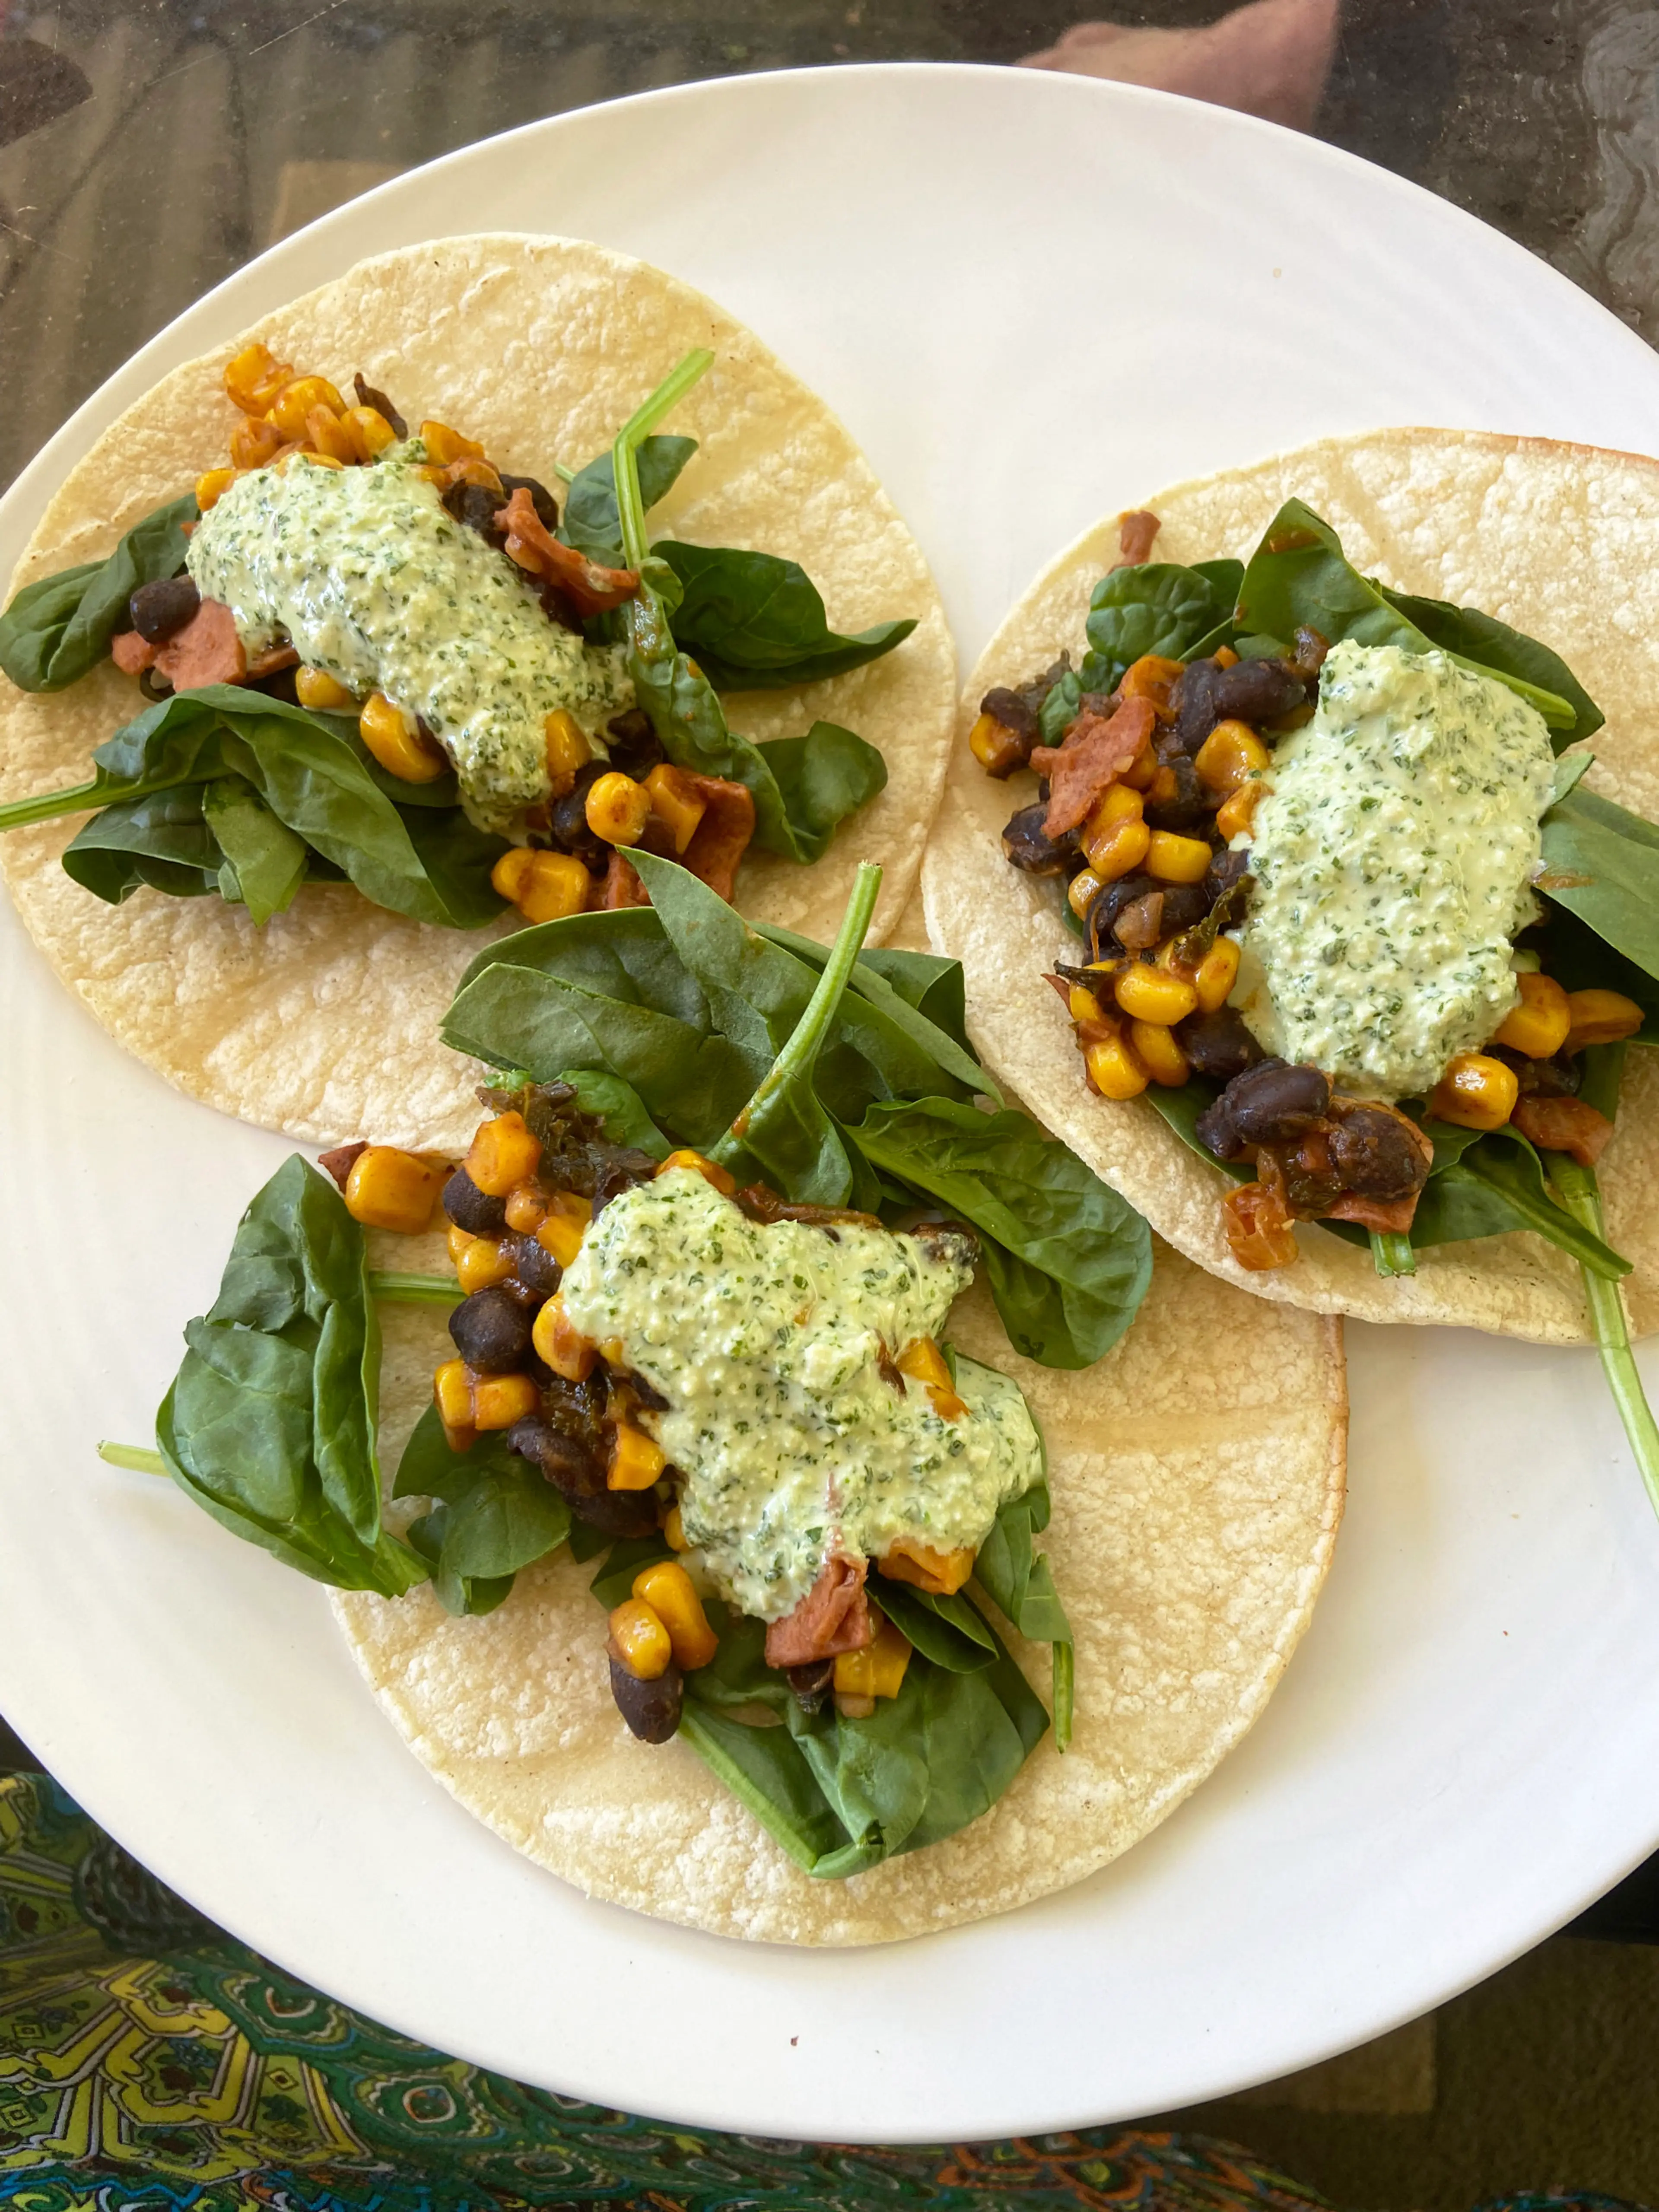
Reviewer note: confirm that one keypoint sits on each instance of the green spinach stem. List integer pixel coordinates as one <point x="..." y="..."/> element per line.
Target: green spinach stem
<point x="1580" y="1195"/>
<point x="630" y="506"/>
<point x="414" y="1290"/>
<point x="49" y="804"/>
<point x="134" y="1456"/>
<point x="1391" y="1250"/>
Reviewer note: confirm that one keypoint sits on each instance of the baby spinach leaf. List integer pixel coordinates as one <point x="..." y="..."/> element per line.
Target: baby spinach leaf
<point x="1579" y="960"/>
<point x="457" y="1593"/>
<point x="264" y="863"/>
<point x="591" y="523"/>
<point x="1017" y="1579"/>
<point x="615" y="1580"/>
<point x="621" y="1108"/>
<point x="764" y="1769"/>
<point x="1601" y="863"/>
<point x="1157" y="607"/>
<point x="1481" y="640"/>
<point x="1069" y="1261"/>
<point x="945" y="1629"/>
<point x="756" y="623"/>
<point x="57" y="628"/>
<point x="1059" y="707"/>
<point x="1497" y="1184"/>
<point x="922" y="995"/>
<point x="163" y="842"/>
<point x="270" y="1424"/>
<point x="494" y="1513"/>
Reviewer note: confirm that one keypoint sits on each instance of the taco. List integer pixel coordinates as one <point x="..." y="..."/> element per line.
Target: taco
<point x="355" y="637"/>
<point x="711" y="1576"/>
<point x="1343" y="955"/>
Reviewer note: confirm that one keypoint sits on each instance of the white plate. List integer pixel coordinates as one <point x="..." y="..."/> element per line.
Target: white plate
<point x="1033" y="298"/>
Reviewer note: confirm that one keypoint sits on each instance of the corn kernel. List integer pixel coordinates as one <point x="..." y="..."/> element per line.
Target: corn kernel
<point x="567" y="750"/>
<point x="1175" y="860"/>
<point x="1228" y="757"/>
<point x="485" y="1261"/>
<point x="1538" y="1025"/>
<point x="1475" y="1092"/>
<point x="458" y="1240"/>
<point x="1153" y="995"/>
<point x="498" y="1400"/>
<point x="546" y="886"/>
<point x="668" y="1589"/>
<point x="1235" y="814"/>
<point x="316" y="689"/>
<point x="525" y="1207"/>
<point x="511" y="871"/>
<point x="922" y="1359"/>
<point x="1601" y="1017"/>
<point x="1155" y="1046"/>
<point x="1163" y="790"/>
<point x="640" y="1640"/>
<point x="212" y="486"/>
<point x="636" y="1461"/>
<point x="444" y="445"/>
<point x="452" y="1392"/>
<point x="1142" y="768"/>
<point x="1216" y="973"/>
<point x="999" y="750"/>
<point x="1081" y="892"/>
<point x="1119" y="848"/>
<point x="906" y="1559"/>
<point x="254" y="442"/>
<point x="391" y="1189"/>
<point x="878" y="1671"/>
<point x="305" y="453"/>
<point x="1113" y="1069"/>
<point x="673" y="1531"/>
<point x="254" y="377"/>
<point x="617" y="809"/>
<point x="722" y="1178"/>
<point x="502" y="1153"/>
<point x="394" y="739"/>
<point x="293" y="403"/>
<point x="559" y="1342"/>
<point x="1082" y="1005"/>
<point x="369" y="430"/>
<point x="564" y="1225"/>
<point x="328" y="435"/>
<point x="1121" y="803"/>
<point x="1226" y="657"/>
<point x="1152" y="678"/>
<point x="676" y="802"/>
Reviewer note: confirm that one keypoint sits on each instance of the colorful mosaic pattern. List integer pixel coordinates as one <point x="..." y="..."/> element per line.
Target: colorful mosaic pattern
<point x="148" y="2061"/>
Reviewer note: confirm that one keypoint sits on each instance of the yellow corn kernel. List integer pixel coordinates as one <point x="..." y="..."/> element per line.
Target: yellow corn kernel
<point x="722" y="1178"/>
<point x="327" y="435"/>
<point x="395" y="740"/>
<point x="552" y="886"/>
<point x="1142" y="769"/>
<point x="484" y="1262"/>
<point x="312" y="460"/>
<point x="369" y="430"/>
<point x="1081" y="891"/>
<point x="292" y="406"/>
<point x="1538" y="1025"/>
<point x="1235" y="814"/>
<point x="668" y="1589"/>
<point x="391" y="1189"/>
<point x="527" y="1204"/>
<point x="617" y="809"/>
<point x="1122" y="803"/>
<point x="999" y="750"/>
<point x="511" y="871"/>
<point x="458" y="1240"/>
<point x="564" y="1225"/>
<point x="611" y="1349"/>
<point x="1113" y="1069"/>
<point x="503" y="1154"/>
<point x="560" y="1342"/>
<point x="635" y="1461"/>
<point x="1118" y="849"/>
<point x="1475" y="1092"/>
<point x="1175" y="860"/>
<point x="1228" y="757"/>
<point x="451" y="1393"/>
<point x="316" y="689"/>
<point x="498" y="1400"/>
<point x="676" y="802"/>
<point x="444" y="445"/>
<point x="878" y="1671"/>
<point x="1082" y="1005"/>
<point x="1153" y="995"/>
<point x="1154" y="678"/>
<point x="254" y="377"/>
<point x="922" y="1359"/>
<point x="567" y="749"/>
<point x="908" y="1559"/>
<point x="1601" y="1017"/>
<point x="640" y="1640"/>
<point x="673" y="1531"/>
<point x="212" y="486"/>
<point x="1216" y="973"/>
<point x="254" y="442"/>
<point x="1155" y="1046"/>
<point x="1226" y="657"/>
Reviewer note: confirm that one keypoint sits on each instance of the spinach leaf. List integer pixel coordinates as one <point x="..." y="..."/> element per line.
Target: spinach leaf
<point x="493" y="1513"/>
<point x="270" y="1424"/>
<point x="1158" y="607"/>
<point x="1299" y="575"/>
<point x="1579" y="960"/>
<point x="1069" y="1261"/>
<point x="946" y="1630"/>
<point x="264" y="863"/>
<point x="763" y="1768"/>
<point x="615" y="1580"/>
<point x="755" y="622"/>
<point x="1017" y="1579"/>
<point x="1601" y="863"/>
<point x="1481" y="640"/>
<point x="591" y="522"/>
<point x="57" y="628"/>
<point x="163" y="842"/>
<point x="1497" y="1184"/>
<point x="1059" y="707"/>
<point x="621" y="1108"/>
<point x="922" y="994"/>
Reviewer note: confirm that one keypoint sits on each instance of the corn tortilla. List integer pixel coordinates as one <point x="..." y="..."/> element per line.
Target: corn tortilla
<point x="323" y="1023"/>
<point x="1560" y="541"/>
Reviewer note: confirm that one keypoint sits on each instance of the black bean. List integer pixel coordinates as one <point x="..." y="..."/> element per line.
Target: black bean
<point x="546" y="507"/>
<point x="368" y="397"/>
<point x="617" y="1169"/>
<point x="1218" y="1045"/>
<point x="1540" y="1078"/>
<point x="1274" y="1103"/>
<point x="1374" y="1153"/>
<point x="647" y="1395"/>
<point x="1030" y="848"/>
<point x="569" y="827"/>
<point x="572" y="1466"/>
<point x="476" y="506"/>
<point x="635" y="746"/>
<point x="652" y="1709"/>
<point x="1140" y="923"/>
<point x="1215" y="1132"/>
<point x="473" y="1209"/>
<point x="618" y="1513"/>
<point x="811" y="1682"/>
<point x="1196" y="712"/>
<point x="1013" y="712"/>
<point x="1190" y="806"/>
<point x="1184" y="907"/>
<point x="1109" y="902"/>
<point x="491" y="1331"/>
<point x="159" y="610"/>
<point x="1257" y="691"/>
<point x="534" y="1266"/>
<point x="1226" y="871"/>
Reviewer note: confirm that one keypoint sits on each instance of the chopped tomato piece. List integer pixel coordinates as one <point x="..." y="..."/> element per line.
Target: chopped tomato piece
<point x="1259" y="1227"/>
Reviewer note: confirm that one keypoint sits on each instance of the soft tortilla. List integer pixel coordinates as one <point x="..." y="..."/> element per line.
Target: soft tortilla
<point x="1561" y="541"/>
<point x="323" y="1023"/>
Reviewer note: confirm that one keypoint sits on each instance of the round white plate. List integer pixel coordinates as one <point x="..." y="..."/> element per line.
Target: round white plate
<point x="1033" y="298"/>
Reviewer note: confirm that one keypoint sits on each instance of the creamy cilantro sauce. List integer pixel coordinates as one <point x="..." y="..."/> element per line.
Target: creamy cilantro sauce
<point x="1391" y="859"/>
<point x="373" y="581"/>
<point x="765" y="1341"/>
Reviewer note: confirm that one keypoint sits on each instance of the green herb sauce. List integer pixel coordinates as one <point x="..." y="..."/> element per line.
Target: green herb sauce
<point x="767" y="1342"/>
<point x="373" y="581"/>
<point x="1392" y="860"/>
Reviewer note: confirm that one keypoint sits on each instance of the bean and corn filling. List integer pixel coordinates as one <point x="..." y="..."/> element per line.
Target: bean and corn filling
<point x="760" y="1383"/>
<point x="1298" y="879"/>
<point x="343" y="563"/>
